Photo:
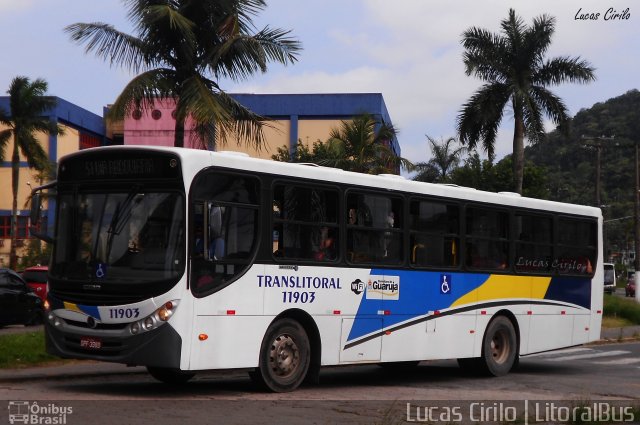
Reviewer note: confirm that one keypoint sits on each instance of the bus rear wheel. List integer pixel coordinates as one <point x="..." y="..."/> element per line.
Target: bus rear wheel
<point x="285" y="356"/>
<point x="170" y="376"/>
<point x="499" y="347"/>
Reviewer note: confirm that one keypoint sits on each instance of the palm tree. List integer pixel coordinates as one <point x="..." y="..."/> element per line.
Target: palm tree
<point x="513" y="65"/>
<point x="28" y="105"/>
<point x="361" y="145"/>
<point x="445" y="158"/>
<point x="182" y="49"/>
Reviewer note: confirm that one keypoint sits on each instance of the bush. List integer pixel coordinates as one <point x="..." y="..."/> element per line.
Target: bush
<point x="625" y="308"/>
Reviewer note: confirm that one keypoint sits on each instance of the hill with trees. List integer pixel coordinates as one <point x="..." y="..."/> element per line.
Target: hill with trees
<point x="570" y="161"/>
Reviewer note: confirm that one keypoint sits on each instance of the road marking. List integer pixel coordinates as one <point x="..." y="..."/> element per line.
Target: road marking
<point x="593" y="355"/>
<point x="623" y="361"/>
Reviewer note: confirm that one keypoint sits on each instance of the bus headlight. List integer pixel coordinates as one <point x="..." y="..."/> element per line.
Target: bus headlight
<point x="157" y="318"/>
<point x="148" y="323"/>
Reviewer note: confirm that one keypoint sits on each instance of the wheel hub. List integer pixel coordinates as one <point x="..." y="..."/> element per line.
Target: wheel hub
<point x="284" y="357"/>
<point x="500" y="347"/>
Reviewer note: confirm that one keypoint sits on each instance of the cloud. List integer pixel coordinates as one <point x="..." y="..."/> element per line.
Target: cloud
<point x="10" y="6"/>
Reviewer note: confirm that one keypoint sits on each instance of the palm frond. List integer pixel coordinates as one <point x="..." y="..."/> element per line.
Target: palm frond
<point x="564" y="69"/>
<point x="480" y="117"/>
<point x="5" y="136"/>
<point x="115" y="47"/>
<point x="244" y="55"/>
<point x="142" y="92"/>
<point x="34" y="153"/>
<point x="206" y="104"/>
<point x="550" y="104"/>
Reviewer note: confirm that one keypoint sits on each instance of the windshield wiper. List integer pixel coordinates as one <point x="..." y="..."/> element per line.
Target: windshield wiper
<point x="121" y="216"/>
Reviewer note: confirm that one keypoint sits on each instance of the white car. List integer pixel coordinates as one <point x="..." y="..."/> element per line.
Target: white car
<point x="609" y="278"/>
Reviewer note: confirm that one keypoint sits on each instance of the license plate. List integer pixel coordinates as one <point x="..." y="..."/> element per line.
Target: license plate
<point x="90" y="343"/>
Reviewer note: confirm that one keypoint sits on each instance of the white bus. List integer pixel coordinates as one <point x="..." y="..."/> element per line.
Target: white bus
<point x="186" y="260"/>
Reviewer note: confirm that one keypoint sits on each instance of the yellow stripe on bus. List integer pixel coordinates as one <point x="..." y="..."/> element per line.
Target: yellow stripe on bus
<point x="72" y="307"/>
<point x="504" y="286"/>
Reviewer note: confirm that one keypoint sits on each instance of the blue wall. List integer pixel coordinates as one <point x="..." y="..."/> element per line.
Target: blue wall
<point x="321" y="106"/>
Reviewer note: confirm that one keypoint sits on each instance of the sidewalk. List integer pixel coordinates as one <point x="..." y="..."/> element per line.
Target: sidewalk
<point x="89" y="368"/>
<point x="83" y="368"/>
<point x="618" y="334"/>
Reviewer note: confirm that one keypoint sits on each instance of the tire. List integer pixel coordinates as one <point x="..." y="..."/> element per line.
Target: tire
<point x="285" y="356"/>
<point x="499" y="347"/>
<point x="170" y="376"/>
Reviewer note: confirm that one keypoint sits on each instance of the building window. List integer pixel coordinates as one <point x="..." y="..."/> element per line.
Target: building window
<point x="136" y="114"/>
<point x="156" y="114"/>
<point x="5" y="227"/>
<point x="89" y="141"/>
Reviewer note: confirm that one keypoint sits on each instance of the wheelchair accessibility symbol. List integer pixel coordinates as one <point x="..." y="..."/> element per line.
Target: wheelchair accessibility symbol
<point x="445" y="283"/>
<point x="100" y="270"/>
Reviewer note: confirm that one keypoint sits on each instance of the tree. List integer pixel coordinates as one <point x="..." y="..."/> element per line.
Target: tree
<point x="319" y="153"/>
<point x="445" y="158"/>
<point x="361" y="145"/>
<point x="28" y="105"/>
<point x="513" y="65"/>
<point x="182" y="49"/>
<point x="484" y="175"/>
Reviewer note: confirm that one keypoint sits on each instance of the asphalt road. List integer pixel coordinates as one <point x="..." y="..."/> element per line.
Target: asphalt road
<point x="100" y="393"/>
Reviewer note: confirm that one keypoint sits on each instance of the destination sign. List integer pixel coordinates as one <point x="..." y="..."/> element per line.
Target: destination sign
<point x="120" y="164"/>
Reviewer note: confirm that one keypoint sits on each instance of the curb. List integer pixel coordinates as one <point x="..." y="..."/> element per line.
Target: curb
<point x="69" y="370"/>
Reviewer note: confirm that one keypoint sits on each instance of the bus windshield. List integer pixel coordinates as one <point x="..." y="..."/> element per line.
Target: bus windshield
<point x="125" y="237"/>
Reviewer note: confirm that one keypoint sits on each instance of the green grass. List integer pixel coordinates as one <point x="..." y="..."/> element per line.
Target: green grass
<point x="23" y="350"/>
<point x="623" y="308"/>
<point x="615" y="322"/>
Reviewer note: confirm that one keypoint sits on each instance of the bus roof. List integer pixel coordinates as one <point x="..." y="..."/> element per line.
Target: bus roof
<point x="200" y="159"/>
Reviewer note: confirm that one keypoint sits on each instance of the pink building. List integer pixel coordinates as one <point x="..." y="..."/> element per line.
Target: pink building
<point x="155" y="127"/>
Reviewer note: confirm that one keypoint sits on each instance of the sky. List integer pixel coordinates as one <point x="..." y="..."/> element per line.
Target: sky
<point x="408" y="50"/>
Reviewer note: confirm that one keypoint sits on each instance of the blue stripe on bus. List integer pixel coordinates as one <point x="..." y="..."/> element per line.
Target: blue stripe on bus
<point x="571" y="290"/>
<point x="420" y="293"/>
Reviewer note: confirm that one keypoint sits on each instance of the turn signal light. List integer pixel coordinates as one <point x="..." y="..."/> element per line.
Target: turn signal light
<point x="165" y="312"/>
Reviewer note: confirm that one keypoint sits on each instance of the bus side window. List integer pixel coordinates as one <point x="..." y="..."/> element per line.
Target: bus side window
<point x="434" y="239"/>
<point x="374" y="229"/>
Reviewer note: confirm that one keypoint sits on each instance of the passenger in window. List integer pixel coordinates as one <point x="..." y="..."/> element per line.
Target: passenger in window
<point x="323" y="245"/>
<point x="353" y="216"/>
<point x="216" y="232"/>
<point x="358" y="245"/>
<point x="388" y="235"/>
<point x="198" y="242"/>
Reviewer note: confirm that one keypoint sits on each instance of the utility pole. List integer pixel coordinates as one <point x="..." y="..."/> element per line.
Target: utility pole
<point x="597" y="144"/>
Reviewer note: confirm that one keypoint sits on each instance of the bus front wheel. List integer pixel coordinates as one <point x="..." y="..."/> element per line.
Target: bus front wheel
<point x="285" y="356"/>
<point x="499" y="347"/>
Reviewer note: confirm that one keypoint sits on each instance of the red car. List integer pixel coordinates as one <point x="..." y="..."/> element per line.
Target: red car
<point x="36" y="278"/>
<point x="630" y="289"/>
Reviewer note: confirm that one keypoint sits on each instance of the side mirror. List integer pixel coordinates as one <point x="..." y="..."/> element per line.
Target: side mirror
<point x="36" y="210"/>
<point x="36" y="207"/>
